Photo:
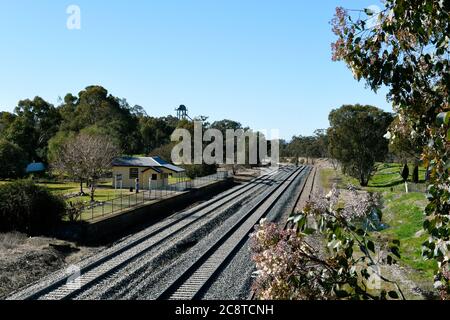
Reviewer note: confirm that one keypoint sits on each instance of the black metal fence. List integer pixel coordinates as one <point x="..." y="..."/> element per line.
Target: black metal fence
<point x="155" y="193"/>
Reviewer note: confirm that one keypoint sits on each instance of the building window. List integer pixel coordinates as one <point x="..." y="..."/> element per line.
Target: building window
<point x="154" y="177"/>
<point x="134" y="173"/>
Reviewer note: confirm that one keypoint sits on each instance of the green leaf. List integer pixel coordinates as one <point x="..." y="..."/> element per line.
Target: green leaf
<point x="390" y="260"/>
<point x="426" y="224"/>
<point x="360" y="232"/>
<point x="363" y="249"/>
<point x="341" y="293"/>
<point x="396" y="252"/>
<point x="369" y="11"/>
<point x="371" y="246"/>
<point x="393" y="294"/>
<point x="447" y="164"/>
<point x="309" y="231"/>
<point x="443" y="118"/>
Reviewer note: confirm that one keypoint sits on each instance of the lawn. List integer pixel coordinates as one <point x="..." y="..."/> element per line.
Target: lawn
<point x="402" y="212"/>
<point x="103" y="192"/>
<point x="174" y="180"/>
<point x="386" y="178"/>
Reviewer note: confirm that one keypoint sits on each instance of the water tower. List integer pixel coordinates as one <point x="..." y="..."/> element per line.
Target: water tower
<point x="182" y="113"/>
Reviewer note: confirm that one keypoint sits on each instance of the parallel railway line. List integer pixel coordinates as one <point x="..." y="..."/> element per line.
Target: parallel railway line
<point x="190" y="283"/>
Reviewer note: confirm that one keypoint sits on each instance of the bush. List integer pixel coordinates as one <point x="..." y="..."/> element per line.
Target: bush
<point x="416" y="174"/>
<point x="29" y="208"/>
<point x="12" y="161"/>
<point x="199" y="170"/>
<point x="405" y="173"/>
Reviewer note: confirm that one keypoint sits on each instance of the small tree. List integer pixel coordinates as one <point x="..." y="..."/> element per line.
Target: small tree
<point x="355" y="139"/>
<point x="405" y="173"/>
<point x="12" y="160"/>
<point x="405" y="143"/>
<point x="86" y="158"/>
<point x="405" y="176"/>
<point x="416" y="174"/>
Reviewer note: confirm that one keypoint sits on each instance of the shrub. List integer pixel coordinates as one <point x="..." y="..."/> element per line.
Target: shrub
<point x="199" y="170"/>
<point x="12" y="160"/>
<point x="29" y="208"/>
<point x="405" y="173"/>
<point x="416" y="174"/>
<point x="289" y="267"/>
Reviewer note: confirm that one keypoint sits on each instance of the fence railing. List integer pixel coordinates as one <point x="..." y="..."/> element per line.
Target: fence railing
<point x="195" y="183"/>
<point x="155" y="193"/>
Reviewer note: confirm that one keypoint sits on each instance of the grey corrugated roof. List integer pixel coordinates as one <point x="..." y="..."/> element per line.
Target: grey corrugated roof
<point x="153" y="162"/>
<point x="135" y="162"/>
<point x="173" y="167"/>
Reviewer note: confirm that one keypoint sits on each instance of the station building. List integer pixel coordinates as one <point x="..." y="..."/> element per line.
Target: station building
<point x="152" y="172"/>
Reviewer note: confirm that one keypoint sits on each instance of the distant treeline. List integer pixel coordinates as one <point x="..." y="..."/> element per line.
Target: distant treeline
<point x="36" y="129"/>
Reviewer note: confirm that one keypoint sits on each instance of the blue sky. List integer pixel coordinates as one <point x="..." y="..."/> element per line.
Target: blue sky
<point x="264" y="63"/>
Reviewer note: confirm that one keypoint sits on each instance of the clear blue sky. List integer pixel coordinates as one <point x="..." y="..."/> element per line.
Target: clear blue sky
<point x="264" y="63"/>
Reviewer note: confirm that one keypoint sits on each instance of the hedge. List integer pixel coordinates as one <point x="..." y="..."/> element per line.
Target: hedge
<point x="29" y="208"/>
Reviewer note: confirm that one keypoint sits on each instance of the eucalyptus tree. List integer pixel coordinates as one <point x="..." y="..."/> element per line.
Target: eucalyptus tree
<point x="406" y="49"/>
<point x="356" y="139"/>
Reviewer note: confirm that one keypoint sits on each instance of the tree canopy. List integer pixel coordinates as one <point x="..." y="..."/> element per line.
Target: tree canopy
<point x="12" y="160"/>
<point x="356" y="138"/>
<point x="407" y="50"/>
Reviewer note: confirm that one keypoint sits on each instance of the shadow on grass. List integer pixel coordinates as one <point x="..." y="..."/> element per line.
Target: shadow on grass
<point x="386" y="185"/>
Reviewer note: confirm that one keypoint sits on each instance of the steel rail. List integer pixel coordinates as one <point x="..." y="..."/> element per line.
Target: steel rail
<point x="190" y="284"/>
<point x="62" y="288"/>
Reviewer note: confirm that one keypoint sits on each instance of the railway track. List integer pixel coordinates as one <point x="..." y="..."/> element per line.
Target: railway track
<point x="112" y="260"/>
<point x="191" y="283"/>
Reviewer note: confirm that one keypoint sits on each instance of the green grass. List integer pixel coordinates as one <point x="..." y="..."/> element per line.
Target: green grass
<point x="329" y="177"/>
<point x="103" y="192"/>
<point x="387" y="177"/>
<point x="402" y="212"/>
<point x="173" y="180"/>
